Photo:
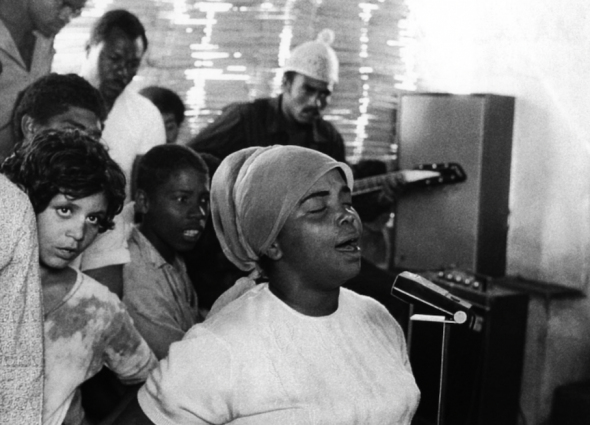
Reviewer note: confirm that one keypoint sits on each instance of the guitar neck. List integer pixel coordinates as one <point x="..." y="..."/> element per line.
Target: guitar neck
<point x="424" y="175"/>
<point x="369" y="184"/>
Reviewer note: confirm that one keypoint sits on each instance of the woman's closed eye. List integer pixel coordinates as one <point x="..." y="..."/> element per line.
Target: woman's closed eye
<point x="317" y="210"/>
<point x="315" y="205"/>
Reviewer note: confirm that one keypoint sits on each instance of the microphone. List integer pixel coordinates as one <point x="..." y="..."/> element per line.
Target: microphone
<point x="411" y="288"/>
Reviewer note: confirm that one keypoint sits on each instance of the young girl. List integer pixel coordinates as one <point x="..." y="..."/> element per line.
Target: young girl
<point x="296" y="348"/>
<point x="76" y="190"/>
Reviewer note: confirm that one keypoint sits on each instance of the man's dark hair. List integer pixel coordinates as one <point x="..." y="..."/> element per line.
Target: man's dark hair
<point x="160" y="162"/>
<point x="54" y="94"/>
<point x="68" y="162"/>
<point x="120" y="19"/>
<point x="167" y="101"/>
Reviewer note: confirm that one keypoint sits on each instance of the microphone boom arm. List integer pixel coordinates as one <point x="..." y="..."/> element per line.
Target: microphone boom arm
<point x="415" y="288"/>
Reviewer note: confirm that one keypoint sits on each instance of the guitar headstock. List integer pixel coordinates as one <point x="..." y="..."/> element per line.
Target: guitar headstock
<point x="447" y="173"/>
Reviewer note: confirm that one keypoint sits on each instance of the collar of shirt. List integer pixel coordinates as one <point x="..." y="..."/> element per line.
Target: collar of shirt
<point x="8" y="45"/>
<point x="149" y="251"/>
<point x="279" y="125"/>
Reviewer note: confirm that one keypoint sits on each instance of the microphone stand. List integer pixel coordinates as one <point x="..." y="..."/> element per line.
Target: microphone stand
<point x="446" y="322"/>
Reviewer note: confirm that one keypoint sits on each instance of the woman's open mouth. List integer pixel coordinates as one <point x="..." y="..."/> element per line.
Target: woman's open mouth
<point x="349" y="245"/>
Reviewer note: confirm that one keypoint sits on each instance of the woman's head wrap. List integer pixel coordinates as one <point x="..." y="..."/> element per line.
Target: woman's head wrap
<point x="253" y="192"/>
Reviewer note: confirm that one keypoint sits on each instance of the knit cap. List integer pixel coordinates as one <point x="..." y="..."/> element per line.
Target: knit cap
<point x="315" y="59"/>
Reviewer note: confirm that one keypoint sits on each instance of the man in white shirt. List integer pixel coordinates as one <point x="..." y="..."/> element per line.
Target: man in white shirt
<point x="114" y="52"/>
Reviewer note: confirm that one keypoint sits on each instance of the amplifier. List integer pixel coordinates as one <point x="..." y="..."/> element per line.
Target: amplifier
<point x="460" y="280"/>
<point x="462" y="225"/>
<point x="484" y="363"/>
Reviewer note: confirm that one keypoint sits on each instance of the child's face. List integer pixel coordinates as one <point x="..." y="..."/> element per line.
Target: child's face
<point x="172" y="128"/>
<point x="67" y="226"/>
<point x="175" y="212"/>
<point x="74" y="117"/>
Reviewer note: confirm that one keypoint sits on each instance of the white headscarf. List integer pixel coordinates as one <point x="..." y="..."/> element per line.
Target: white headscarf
<point x="253" y="192"/>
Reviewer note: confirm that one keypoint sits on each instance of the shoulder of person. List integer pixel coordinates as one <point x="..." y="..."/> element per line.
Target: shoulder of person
<point x="142" y="257"/>
<point x="139" y="104"/>
<point x="91" y="288"/>
<point x="239" y="108"/>
<point x="238" y="314"/>
<point x="135" y="242"/>
<point x="328" y="127"/>
<point x="12" y="197"/>
<point x="239" y="288"/>
<point x="15" y="208"/>
<point x="365" y="303"/>
<point x="256" y="107"/>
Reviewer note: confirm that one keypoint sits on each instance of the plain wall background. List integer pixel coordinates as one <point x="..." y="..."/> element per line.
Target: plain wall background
<point x="539" y="52"/>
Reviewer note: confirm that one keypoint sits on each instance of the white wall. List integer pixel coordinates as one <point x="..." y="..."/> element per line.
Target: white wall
<point x="539" y="52"/>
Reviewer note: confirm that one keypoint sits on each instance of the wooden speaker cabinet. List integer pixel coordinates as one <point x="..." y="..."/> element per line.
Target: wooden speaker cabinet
<point x="462" y="225"/>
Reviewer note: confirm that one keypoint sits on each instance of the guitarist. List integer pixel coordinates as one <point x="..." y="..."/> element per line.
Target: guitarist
<point x="292" y="118"/>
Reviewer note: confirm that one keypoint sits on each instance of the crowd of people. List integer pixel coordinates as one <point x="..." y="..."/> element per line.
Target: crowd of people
<point x="144" y="280"/>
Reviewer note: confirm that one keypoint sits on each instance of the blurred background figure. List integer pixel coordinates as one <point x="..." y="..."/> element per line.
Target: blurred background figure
<point x="27" y="30"/>
<point x="170" y="106"/>
<point x="57" y="102"/>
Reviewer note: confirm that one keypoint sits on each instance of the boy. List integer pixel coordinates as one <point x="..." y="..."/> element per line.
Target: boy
<point x="76" y="189"/>
<point x="58" y="101"/>
<point x="173" y="200"/>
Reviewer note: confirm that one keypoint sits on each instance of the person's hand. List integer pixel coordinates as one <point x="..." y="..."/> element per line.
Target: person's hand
<point x="393" y="187"/>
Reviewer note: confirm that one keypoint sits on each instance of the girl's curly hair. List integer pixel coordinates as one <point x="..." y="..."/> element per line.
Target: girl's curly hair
<point x="68" y="162"/>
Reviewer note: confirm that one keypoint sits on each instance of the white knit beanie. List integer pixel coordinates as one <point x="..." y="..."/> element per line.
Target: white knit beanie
<point x="315" y="59"/>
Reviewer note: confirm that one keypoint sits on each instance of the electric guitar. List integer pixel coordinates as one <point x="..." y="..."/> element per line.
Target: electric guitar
<point x="422" y="176"/>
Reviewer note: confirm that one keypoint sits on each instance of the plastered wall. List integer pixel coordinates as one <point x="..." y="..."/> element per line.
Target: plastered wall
<point x="539" y="52"/>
